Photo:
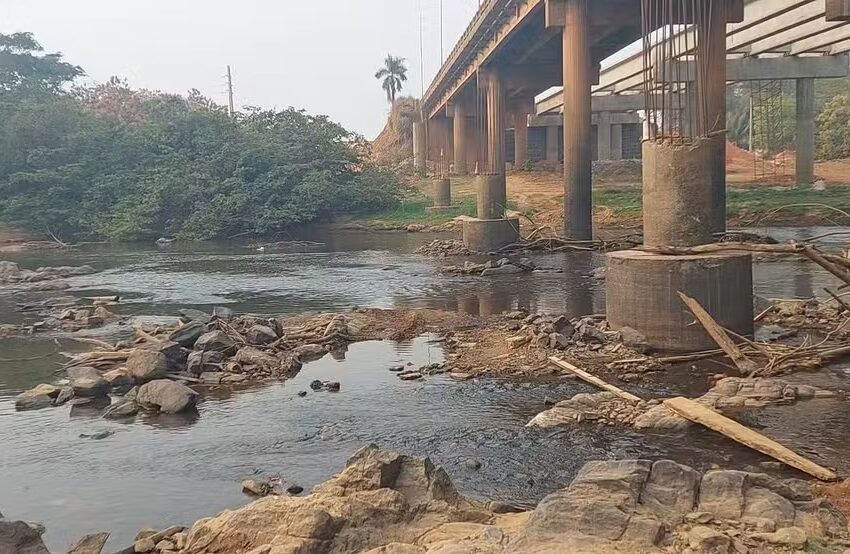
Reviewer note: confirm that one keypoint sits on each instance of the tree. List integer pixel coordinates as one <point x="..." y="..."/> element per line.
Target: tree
<point x="833" y="135"/>
<point x="394" y="73"/>
<point x="23" y="65"/>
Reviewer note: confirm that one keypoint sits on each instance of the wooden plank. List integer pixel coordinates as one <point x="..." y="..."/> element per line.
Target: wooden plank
<point x="746" y="365"/>
<point x="698" y="413"/>
<point x="587" y="377"/>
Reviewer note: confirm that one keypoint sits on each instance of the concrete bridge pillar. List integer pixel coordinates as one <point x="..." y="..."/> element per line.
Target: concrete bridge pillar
<point x="419" y="147"/>
<point x="520" y="111"/>
<point x="459" y="128"/>
<point x="616" y="142"/>
<point x="491" y="230"/>
<point x="552" y="144"/>
<point x="578" y="201"/>
<point x="603" y="136"/>
<point x="805" y="131"/>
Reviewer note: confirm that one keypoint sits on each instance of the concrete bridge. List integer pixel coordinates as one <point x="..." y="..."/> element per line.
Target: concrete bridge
<point x="515" y="49"/>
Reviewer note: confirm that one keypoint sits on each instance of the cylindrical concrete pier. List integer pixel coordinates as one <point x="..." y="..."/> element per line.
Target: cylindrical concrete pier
<point x="460" y="146"/>
<point x="677" y="192"/>
<point x="641" y="293"/>
<point x="489" y="235"/>
<point x="492" y="196"/>
<point x="442" y="192"/>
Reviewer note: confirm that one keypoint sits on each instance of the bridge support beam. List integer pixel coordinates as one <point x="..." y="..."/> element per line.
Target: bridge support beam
<point x="459" y="129"/>
<point x="491" y="230"/>
<point x="420" y="147"/>
<point x="578" y="202"/>
<point x="520" y="110"/>
<point x="805" y="131"/>
<point x="552" y="145"/>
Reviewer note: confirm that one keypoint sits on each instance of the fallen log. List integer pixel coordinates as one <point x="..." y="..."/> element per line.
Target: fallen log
<point x="697" y="413"/>
<point x="746" y="365"/>
<point x="593" y="380"/>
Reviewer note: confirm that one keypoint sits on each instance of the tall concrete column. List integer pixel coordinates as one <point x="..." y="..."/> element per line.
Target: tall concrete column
<point x="711" y="41"/>
<point x="520" y="138"/>
<point x="420" y="146"/>
<point x="805" y="131"/>
<point x="603" y="136"/>
<point x="460" y="138"/>
<point x="578" y="201"/>
<point x="616" y="142"/>
<point x="552" y="144"/>
<point x="495" y="93"/>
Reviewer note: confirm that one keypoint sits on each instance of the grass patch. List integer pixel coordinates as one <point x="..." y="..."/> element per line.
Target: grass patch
<point x="413" y="211"/>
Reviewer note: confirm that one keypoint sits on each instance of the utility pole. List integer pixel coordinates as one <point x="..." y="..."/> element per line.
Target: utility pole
<point x="442" y="58"/>
<point x="421" y="54"/>
<point x="230" y="91"/>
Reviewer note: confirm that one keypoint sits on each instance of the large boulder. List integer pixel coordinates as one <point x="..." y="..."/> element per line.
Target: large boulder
<point x="166" y="397"/>
<point x="198" y="362"/>
<point x="18" y="537"/>
<point x="215" y="341"/>
<point x="671" y="489"/>
<point x="37" y="398"/>
<point x="87" y="382"/>
<point x="187" y="335"/>
<point x="722" y="493"/>
<point x="120" y="379"/>
<point x="147" y="365"/>
<point x="260" y="335"/>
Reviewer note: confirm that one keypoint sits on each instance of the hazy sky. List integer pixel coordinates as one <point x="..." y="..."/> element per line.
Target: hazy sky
<point x="320" y="55"/>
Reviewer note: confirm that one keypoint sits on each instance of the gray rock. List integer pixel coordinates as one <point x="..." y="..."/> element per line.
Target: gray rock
<point x="18" y="537"/>
<point x="789" y="536"/>
<point x="175" y="354"/>
<point x="166" y="396"/>
<point x="722" y="493"/>
<point x="90" y="544"/>
<point x="260" y="335"/>
<point x="311" y="352"/>
<point x="634" y="339"/>
<point x="765" y="504"/>
<point x="120" y="379"/>
<point x="671" y="489"/>
<point x="122" y="409"/>
<point x="146" y="365"/>
<point x="472" y="463"/>
<point x="187" y="335"/>
<point x="188" y="315"/>
<point x="643" y="533"/>
<point x="557" y="340"/>
<point x="225" y="314"/>
<point x="249" y="356"/>
<point x="87" y="382"/>
<point x="36" y="398"/>
<point x="215" y="341"/>
<point x="589" y="333"/>
<point x="199" y="362"/>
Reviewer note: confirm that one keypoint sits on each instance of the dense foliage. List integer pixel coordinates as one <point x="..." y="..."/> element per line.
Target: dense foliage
<point x="834" y="129"/>
<point x="114" y="163"/>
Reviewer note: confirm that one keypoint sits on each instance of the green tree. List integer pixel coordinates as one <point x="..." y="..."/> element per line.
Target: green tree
<point x="833" y="135"/>
<point x="23" y="64"/>
<point x="392" y="76"/>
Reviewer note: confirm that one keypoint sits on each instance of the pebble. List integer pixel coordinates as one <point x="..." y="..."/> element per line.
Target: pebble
<point x="472" y="463"/>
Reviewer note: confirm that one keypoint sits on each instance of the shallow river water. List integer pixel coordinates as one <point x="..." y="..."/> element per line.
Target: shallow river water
<point x="159" y="471"/>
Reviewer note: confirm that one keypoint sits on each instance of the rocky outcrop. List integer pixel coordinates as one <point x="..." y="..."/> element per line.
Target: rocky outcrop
<point x="87" y="382"/>
<point x="36" y="398"/>
<point x="10" y="272"/>
<point x="18" y="537"/>
<point x="387" y="503"/>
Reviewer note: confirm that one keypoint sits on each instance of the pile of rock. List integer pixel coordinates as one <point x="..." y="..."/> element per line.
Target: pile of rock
<point x="562" y="333"/>
<point x="502" y="266"/>
<point x="383" y="503"/>
<point x="10" y="272"/>
<point x="442" y="248"/>
<point x="806" y="314"/>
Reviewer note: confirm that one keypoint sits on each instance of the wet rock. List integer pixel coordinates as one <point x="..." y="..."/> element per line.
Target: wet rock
<point x="98" y="436"/>
<point x="187" y="335"/>
<point x="472" y="463"/>
<point x="146" y="365"/>
<point x="223" y="313"/>
<point x="175" y="354"/>
<point x="90" y="544"/>
<point x="634" y="339"/>
<point x="66" y="394"/>
<point x="706" y="540"/>
<point x="215" y="341"/>
<point x="119" y="379"/>
<point x="316" y="385"/>
<point x="505" y="269"/>
<point x="412" y="376"/>
<point x="212" y="377"/>
<point x="260" y="335"/>
<point x="188" y="315"/>
<point x="294" y="489"/>
<point x="87" y="382"/>
<point x="122" y="409"/>
<point x="722" y="493"/>
<point x="310" y="352"/>
<point x="249" y="356"/>
<point x="302" y="393"/>
<point x="199" y="362"/>
<point x="36" y="398"/>
<point x="166" y="397"/>
<point x="256" y="487"/>
<point x="18" y="537"/>
<point x="332" y="386"/>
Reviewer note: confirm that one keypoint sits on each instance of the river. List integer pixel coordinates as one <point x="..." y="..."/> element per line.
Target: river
<point x="158" y="471"/>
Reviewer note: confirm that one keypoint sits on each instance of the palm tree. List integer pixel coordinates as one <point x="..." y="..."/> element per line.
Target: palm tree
<point x="394" y="73"/>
